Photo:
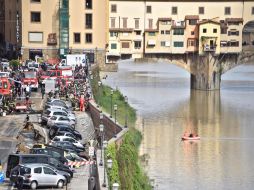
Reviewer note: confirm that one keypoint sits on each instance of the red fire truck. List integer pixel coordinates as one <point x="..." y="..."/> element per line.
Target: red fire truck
<point x="31" y="79"/>
<point x="5" y="86"/>
<point x="58" y="74"/>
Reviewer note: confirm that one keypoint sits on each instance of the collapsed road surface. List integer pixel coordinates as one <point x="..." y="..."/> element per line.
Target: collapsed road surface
<point x="10" y="126"/>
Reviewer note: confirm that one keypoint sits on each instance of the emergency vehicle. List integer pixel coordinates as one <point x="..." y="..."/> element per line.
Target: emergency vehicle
<point x="66" y="74"/>
<point x="31" y="79"/>
<point x="5" y="86"/>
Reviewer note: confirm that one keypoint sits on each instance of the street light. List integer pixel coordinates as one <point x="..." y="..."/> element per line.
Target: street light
<point x="125" y="106"/>
<point x="115" y="109"/>
<point x="105" y="143"/>
<point x="101" y="116"/>
<point x="111" y="93"/>
<point x="109" y="163"/>
<point x="115" y="186"/>
<point x="99" y="84"/>
<point x="102" y="138"/>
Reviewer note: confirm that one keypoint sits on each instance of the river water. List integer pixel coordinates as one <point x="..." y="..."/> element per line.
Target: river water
<point x="166" y="108"/>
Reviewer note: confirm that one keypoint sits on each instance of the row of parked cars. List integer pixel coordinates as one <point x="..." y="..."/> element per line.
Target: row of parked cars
<point x="46" y="165"/>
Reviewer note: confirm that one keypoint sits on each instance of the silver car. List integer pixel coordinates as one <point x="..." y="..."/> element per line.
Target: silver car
<point x="38" y="175"/>
<point x="64" y="120"/>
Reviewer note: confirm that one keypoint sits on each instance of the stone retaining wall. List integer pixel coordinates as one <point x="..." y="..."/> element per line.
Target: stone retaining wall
<point x="110" y="127"/>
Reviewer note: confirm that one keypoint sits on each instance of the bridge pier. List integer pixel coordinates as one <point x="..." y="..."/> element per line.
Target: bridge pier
<point x="207" y="73"/>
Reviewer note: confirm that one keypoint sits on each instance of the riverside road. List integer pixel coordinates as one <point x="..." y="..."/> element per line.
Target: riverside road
<point x="166" y="107"/>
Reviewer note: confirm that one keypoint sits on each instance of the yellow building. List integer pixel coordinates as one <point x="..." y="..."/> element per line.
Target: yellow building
<point x="183" y="32"/>
<point x="209" y="36"/>
<point x="56" y="27"/>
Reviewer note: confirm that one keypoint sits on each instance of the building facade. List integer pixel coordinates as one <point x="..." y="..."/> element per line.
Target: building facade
<point x="9" y="28"/>
<point x="50" y="29"/>
<point x="159" y="27"/>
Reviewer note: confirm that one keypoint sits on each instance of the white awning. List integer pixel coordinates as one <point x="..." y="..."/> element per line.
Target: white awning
<point x="151" y="42"/>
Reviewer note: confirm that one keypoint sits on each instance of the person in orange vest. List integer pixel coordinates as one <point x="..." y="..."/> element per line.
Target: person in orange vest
<point x="81" y="102"/>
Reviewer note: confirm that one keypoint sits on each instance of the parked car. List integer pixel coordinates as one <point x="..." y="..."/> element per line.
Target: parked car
<point x="65" y="120"/>
<point x="67" y="134"/>
<point x="59" y="102"/>
<point x="22" y="170"/>
<point x="60" y="166"/>
<point x="68" y="139"/>
<point x="49" y="113"/>
<point x="64" y="108"/>
<point x="48" y="151"/>
<point x="71" y="156"/>
<point x="16" y="159"/>
<point x="60" y="112"/>
<point x="38" y="175"/>
<point x="63" y="128"/>
<point x="68" y="146"/>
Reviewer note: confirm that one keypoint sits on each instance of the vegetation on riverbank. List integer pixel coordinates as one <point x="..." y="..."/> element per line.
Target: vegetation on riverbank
<point x="102" y="96"/>
<point x="126" y="169"/>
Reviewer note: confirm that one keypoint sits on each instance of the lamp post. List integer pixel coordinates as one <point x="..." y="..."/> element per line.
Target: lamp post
<point x="115" y="186"/>
<point x="102" y="138"/>
<point x="101" y="116"/>
<point x="115" y="109"/>
<point x="105" y="143"/>
<point x="125" y="106"/>
<point x="111" y="94"/>
<point x="99" y="84"/>
<point x="109" y="163"/>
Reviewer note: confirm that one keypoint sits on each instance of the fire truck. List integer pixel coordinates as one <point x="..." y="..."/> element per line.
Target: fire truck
<point x="31" y="79"/>
<point x="66" y="74"/>
<point x="5" y="86"/>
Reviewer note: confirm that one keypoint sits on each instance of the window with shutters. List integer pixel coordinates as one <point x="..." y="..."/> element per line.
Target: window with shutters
<point x="148" y="9"/>
<point x="178" y="31"/>
<point x="178" y="44"/>
<point x="113" y="22"/>
<point x="35" y="16"/>
<point x="233" y="44"/>
<point x="150" y="23"/>
<point x="89" y="21"/>
<point x="193" y="22"/>
<point x="136" y="23"/>
<point x="201" y="10"/>
<point x="113" y="46"/>
<point x="89" y="38"/>
<point x="191" y="43"/>
<point x="89" y="4"/>
<point x="233" y="33"/>
<point x="125" y="44"/>
<point x="174" y="11"/>
<point x="137" y="44"/>
<point x="124" y="22"/>
<point x="76" y="38"/>
<point x="113" y="8"/>
<point x="227" y="10"/>
<point x="167" y="32"/>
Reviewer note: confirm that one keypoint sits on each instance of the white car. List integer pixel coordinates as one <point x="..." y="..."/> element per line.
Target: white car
<point x="57" y="119"/>
<point x="68" y="139"/>
<point x="57" y="112"/>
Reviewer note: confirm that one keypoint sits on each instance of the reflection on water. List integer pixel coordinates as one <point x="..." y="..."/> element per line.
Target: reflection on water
<point x="166" y="108"/>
